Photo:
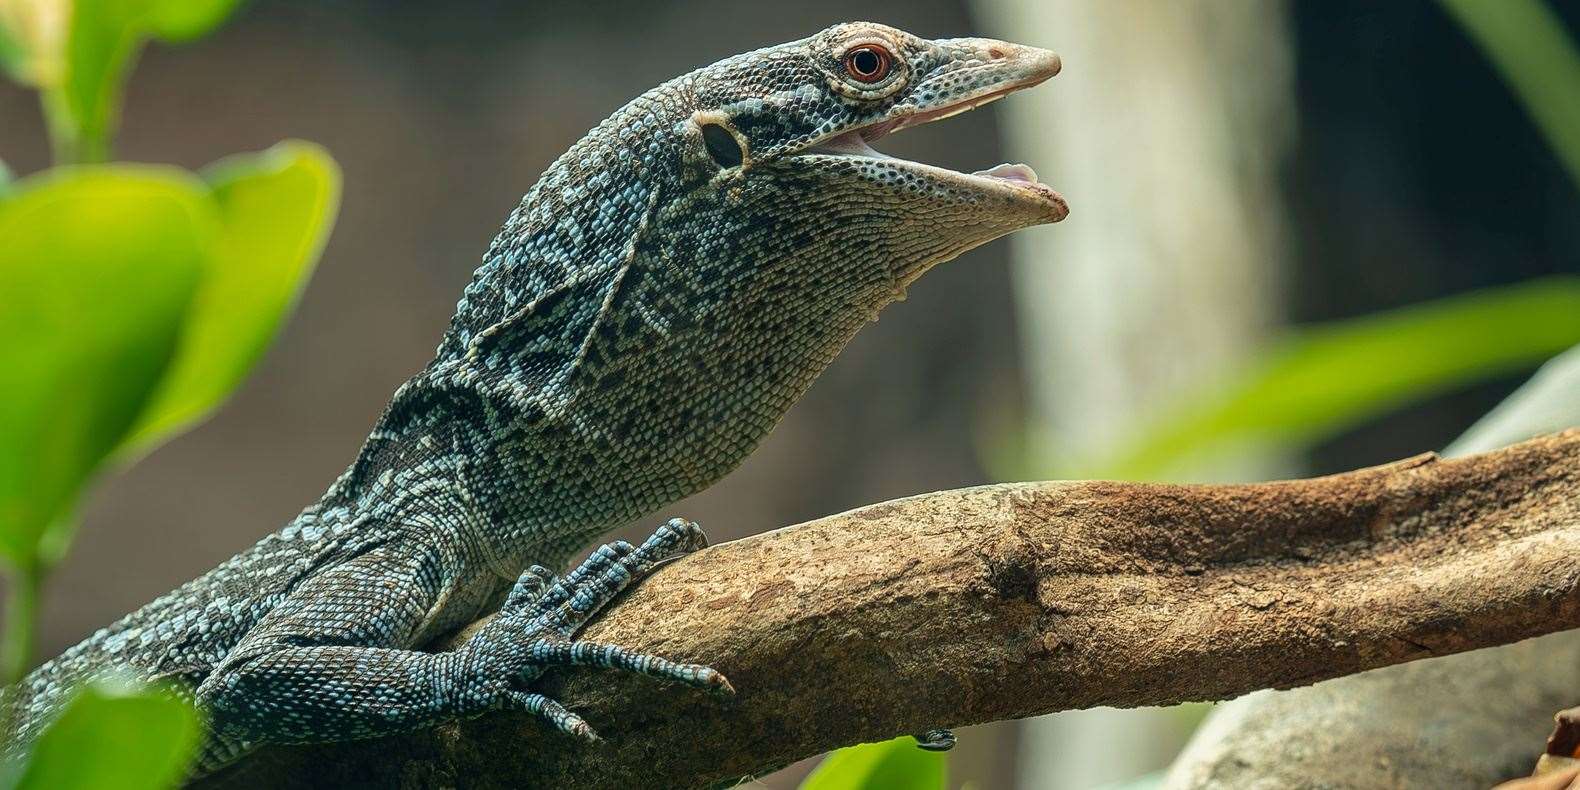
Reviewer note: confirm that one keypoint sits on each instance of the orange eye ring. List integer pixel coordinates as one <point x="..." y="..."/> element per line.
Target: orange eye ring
<point x="868" y="63"/>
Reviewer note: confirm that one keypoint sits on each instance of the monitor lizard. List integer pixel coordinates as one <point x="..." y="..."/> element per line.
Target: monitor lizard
<point x="661" y="296"/>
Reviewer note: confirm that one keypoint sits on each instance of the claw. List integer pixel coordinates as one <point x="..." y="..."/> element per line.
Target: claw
<point x="530" y="587"/>
<point x="687" y="534"/>
<point x="673" y="539"/>
<point x="553" y="712"/>
<point x="719" y="684"/>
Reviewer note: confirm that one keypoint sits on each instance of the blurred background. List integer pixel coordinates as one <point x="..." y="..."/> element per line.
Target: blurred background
<point x="1286" y="221"/>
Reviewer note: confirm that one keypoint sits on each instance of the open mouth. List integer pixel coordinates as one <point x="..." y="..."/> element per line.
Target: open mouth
<point x="858" y="142"/>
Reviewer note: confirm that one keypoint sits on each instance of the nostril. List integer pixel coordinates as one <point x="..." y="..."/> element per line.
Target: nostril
<point x="997" y="53"/>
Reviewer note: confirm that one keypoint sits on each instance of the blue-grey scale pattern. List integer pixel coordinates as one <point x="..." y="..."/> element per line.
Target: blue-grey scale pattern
<point x="643" y="319"/>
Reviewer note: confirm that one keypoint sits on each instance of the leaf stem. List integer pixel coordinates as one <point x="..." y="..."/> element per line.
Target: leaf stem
<point x="68" y="144"/>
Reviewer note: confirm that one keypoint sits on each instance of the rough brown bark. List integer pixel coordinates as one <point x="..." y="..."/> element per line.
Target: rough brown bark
<point x="1467" y="720"/>
<point x="1014" y="600"/>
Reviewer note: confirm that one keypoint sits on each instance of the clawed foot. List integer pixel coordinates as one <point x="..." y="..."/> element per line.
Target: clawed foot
<point x="535" y="627"/>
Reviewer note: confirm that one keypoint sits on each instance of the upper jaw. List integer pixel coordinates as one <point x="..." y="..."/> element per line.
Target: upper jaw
<point x="1000" y="68"/>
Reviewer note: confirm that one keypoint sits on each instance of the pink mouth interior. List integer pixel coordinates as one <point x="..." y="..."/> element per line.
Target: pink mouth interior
<point x="1010" y="172"/>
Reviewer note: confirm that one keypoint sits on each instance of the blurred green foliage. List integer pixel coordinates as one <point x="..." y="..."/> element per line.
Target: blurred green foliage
<point x="143" y="296"/>
<point x="78" y="358"/>
<point x="137" y="299"/>
<point x="273" y="210"/>
<point x="77" y="54"/>
<point x="12" y="55"/>
<point x="114" y="738"/>
<point x="896" y="764"/>
<point x="1319" y="380"/>
<point x="1525" y="41"/>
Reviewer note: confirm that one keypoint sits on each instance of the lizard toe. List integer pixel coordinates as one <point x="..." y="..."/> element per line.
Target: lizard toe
<point x="686" y="536"/>
<point x="529" y="588"/>
<point x="550" y="711"/>
<point x="600" y="654"/>
<point x="578" y="595"/>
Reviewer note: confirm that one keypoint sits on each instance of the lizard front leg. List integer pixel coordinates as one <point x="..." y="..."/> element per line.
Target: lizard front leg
<point x="332" y="663"/>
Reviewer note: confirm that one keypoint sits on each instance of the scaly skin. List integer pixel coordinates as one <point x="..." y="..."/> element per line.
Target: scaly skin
<point x="650" y="310"/>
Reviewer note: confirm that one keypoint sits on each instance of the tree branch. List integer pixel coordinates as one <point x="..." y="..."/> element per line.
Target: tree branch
<point x="1008" y="601"/>
<point x="1467" y="720"/>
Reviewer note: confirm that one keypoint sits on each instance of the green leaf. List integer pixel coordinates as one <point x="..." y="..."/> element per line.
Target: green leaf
<point x="178" y="21"/>
<point x="115" y="739"/>
<point x="1324" y="379"/>
<point x="1525" y="41"/>
<point x="890" y="765"/>
<point x="83" y="108"/>
<point x="276" y="209"/>
<point x="98" y="267"/>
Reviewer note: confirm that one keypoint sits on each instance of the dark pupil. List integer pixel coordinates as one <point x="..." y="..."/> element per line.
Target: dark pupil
<point x="721" y="145"/>
<point x="866" y="62"/>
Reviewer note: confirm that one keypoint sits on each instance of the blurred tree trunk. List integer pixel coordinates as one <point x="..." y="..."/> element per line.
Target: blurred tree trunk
<point x="1165" y="132"/>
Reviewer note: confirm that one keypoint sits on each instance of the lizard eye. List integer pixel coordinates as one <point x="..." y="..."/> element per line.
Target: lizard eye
<point x="868" y="63"/>
<point x="721" y="145"/>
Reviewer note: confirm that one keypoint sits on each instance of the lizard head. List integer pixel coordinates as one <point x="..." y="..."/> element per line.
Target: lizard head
<point x="793" y="125"/>
<point x="741" y="207"/>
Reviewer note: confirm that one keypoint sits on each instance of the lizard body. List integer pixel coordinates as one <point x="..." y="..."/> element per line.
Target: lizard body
<point x="666" y="290"/>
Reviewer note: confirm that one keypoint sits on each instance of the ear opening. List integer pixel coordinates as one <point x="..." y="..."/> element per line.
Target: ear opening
<point x="722" y="146"/>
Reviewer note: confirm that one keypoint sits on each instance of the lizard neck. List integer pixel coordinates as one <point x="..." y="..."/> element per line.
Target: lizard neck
<point x="533" y="467"/>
